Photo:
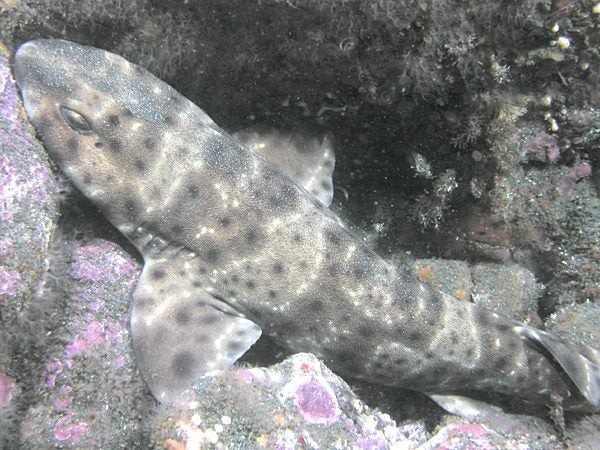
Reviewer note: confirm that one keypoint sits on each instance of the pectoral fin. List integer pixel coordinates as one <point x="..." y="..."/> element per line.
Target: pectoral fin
<point x="179" y="334"/>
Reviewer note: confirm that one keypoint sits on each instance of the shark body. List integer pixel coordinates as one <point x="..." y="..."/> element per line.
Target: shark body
<point x="233" y="248"/>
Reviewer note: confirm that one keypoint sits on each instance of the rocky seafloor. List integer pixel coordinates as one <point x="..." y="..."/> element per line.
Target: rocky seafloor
<point x="467" y="154"/>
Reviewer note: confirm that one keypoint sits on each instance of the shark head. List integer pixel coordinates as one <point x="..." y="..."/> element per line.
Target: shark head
<point x="100" y="118"/>
<point x="77" y="117"/>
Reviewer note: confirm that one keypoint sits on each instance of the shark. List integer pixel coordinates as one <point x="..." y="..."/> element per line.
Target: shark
<point x="236" y="244"/>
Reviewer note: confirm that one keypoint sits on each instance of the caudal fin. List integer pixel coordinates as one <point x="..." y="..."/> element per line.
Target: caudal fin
<point x="580" y="363"/>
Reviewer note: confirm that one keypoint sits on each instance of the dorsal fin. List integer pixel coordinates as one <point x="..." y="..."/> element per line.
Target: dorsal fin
<point x="306" y="160"/>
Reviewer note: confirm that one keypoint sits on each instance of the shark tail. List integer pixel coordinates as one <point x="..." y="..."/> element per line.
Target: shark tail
<point x="579" y="366"/>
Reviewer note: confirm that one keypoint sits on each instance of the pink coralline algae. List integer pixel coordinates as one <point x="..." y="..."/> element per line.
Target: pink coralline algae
<point x="542" y="147"/>
<point x="7" y="385"/>
<point x="28" y="204"/>
<point x="574" y="174"/>
<point x="9" y="280"/>
<point x="93" y="336"/>
<point x="88" y="370"/>
<point x="313" y="396"/>
<point x="17" y="187"/>
<point x="67" y="429"/>
<point x="316" y="402"/>
<point x="53" y="367"/>
<point x="112" y="266"/>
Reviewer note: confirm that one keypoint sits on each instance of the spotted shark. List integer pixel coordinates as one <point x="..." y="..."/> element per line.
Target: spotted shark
<point x="236" y="245"/>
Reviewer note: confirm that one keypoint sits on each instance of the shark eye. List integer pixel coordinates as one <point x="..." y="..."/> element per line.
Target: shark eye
<point x="76" y="120"/>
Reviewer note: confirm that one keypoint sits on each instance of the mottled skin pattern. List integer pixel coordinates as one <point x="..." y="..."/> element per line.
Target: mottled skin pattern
<point x="230" y="242"/>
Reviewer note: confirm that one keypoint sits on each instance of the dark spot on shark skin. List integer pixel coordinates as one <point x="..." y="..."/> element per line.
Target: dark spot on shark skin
<point x="202" y="270"/>
<point x="115" y="146"/>
<point x="501" y="363"/>
<point x="502" y="327"/>
<point x="150" y="143"/>
<point x="98" y="144"/>
<point x="326" y="185"/>
<point x="113" y="120"/>
<point x="482" y="317"/>
<point x="182" y="364"/>
<point x="366" y="331"/>
<point x="469" y="352"/>
<point x="140" y="165"/>
<point x="224" y="222"/>
<point x="196" y="284"/>
<point x="144" y="302"/>
<point x="415" y="337"/>
<point x="232" y="293"/>
<point x="158" y="274"/>
<point x="360" y="266"/>
<point x="234" y="347"/>
<point x="277" y="268"/>
<point x="297" y="237"/>
<point x="235" y="278"/>
<point x="429" y="355"/>
<point x="132" y="210"/>
<point x="272" y="294"/>
<point x="253" y="237"/>
<point x="400" y="362"/>
<point x="349" y="361"/>
<point x="72" y="146"/>
<point x="177" y="229"/>
<point x="250" y="284"/>
<point x="208" y="319"/>
<point x="332" y="237"/>
<point x="454" y="338"/>
<point x="334" y="270"/>
<point x="212" y="255"/>
<point x="193" y="190"/>
<point x="182" y="317"/>
<point x="202" y="337"/>
<point x="316" y="305"/>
